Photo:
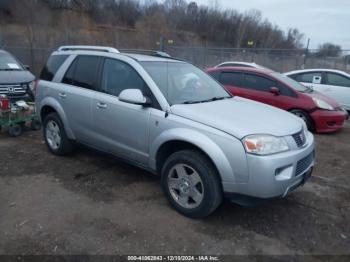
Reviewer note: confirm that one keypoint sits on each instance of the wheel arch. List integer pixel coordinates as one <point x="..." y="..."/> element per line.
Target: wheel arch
<point x="50" y="105"/>
<point x="179" y="139"/>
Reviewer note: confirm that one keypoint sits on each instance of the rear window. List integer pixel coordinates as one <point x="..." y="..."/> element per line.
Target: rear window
<point x="52" y="66"/>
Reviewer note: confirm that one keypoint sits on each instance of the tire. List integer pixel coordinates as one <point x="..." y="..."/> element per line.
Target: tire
<point x="15" y="130"/>
<point x="198" y="178"/>
<point x="35" y="125"/>
<point x="55" y="136"/>
<point x="305" y="117"/>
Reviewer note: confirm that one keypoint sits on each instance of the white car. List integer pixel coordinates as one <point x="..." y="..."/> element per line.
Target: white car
<point x="240" y="64"/>
<point x="333" y="83"/>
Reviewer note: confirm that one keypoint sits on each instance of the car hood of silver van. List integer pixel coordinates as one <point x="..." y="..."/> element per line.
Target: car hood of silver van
<point x="241" y="117"/>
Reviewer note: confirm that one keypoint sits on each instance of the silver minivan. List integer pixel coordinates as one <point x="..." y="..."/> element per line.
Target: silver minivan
<point x="172" y="119"/>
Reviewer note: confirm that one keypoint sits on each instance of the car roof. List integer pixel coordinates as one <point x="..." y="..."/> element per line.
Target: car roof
<point x="149" y="58"/>
<point x="242" y="69"/>
<point x="241" y="63"/>
<point x="315" y="70"/>
<point x="155" y="56"/>
<point x="238" y="62"/>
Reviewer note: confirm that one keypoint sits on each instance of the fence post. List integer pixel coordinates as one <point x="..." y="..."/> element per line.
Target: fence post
<point x="306" y="53"/>
<point x="161" y="44"/>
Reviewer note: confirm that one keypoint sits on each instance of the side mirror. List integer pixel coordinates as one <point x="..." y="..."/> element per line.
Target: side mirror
<point x="133" y="96"/>
<point x="274" y="90"/>
<point x="316" y="79"/>
<point x="26" y="67"/>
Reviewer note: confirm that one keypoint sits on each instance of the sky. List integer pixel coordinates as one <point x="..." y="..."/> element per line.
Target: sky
<point x="320" y="20"/>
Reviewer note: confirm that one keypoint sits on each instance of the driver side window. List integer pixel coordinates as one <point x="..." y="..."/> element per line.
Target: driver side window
<point x="118" y="76"/>
<point x="337" y="80"/>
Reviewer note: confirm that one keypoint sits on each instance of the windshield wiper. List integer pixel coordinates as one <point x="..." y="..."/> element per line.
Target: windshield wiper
<point x="207" y="100"/>
<point x="192" y="102"/>
<point x="216" y="98"/>
<point x="10" y="69"/>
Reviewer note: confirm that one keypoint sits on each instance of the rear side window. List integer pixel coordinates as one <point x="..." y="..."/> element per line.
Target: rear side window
<point x="82" y="72"/>
<point x="231" y="78"/>
<point x="308" y="77"/>
<point x="52" y="66"/>
<point x="258" y="83"/>
<point x="215" y="75"/>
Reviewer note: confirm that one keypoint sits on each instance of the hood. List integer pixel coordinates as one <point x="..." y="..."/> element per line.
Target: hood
<point x="325" y="98"/>
<point x="15" y="77"/>
<point x="241" y="117"/>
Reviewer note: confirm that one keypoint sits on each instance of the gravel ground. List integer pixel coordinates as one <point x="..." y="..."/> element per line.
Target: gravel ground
<point x="89" y="203"/>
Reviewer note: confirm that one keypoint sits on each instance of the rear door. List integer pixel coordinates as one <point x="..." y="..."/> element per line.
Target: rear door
<point x="80" y="88"/>
<point x="257" y="87"/>
<point x="233" y="82"/>
<point x="313" y="80"/>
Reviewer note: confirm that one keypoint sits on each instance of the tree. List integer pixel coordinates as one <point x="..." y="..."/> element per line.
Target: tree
<point x="328" y="49"/>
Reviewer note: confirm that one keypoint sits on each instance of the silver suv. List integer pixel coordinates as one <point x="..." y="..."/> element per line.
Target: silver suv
<point x="169" y="117"/>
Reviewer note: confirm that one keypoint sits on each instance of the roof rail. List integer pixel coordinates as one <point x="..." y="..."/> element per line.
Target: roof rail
<point x="146" y="52"/>
<point x="88" y="48"/>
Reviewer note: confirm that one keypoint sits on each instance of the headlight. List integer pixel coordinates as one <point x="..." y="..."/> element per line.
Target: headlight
<point x="265" y="144"/>
<point x="31" y="85"/>
<point x="322" y="104"/>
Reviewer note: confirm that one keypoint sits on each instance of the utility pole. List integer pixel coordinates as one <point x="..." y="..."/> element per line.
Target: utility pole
<point x="306" y="53"/>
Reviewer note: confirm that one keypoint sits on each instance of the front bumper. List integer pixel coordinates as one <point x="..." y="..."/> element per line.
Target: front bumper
<point x="276" y="175"/>
<point x="329" y="121"/>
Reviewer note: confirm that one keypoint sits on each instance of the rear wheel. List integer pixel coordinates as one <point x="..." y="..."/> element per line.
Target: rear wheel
<point x="191" y="184"/>
<point x="305" y="117"/>
<point x="15" y="130"/>
<point x="55" y="135"/>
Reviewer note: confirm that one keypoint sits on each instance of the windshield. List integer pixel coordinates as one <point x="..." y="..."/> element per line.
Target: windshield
<point x="291" y="82"/>
<point x="9" y="63"/>
<point x="183" y="83"/>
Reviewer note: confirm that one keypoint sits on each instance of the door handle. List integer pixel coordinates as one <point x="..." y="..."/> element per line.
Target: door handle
<point x="62" y="95"/>
<point x="101" y="105"/>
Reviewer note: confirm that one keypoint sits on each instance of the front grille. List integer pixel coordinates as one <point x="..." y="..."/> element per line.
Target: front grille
<point x="12" y="89"/>
<point x="304" y="163"/>
<point x="300" y="138"/>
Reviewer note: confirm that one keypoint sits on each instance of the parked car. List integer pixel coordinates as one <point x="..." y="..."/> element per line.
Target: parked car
<point x="240" y="64"/>
<point x="16" y="82"/>
<point x="171" y="118"/>
<point x="333" y="83"/>
<point x="320" y="113"/>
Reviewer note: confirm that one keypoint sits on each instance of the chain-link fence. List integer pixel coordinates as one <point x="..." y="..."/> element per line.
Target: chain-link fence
<point x="281" y="60"/>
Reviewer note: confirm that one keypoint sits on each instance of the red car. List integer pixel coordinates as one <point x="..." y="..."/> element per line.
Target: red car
<point x="321" y="113"/>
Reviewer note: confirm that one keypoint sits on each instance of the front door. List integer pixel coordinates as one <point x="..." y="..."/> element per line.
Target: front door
<point x="121" y="128"/>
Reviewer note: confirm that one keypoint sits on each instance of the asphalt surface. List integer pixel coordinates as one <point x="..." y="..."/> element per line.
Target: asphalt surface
<point x="90" y="203"/>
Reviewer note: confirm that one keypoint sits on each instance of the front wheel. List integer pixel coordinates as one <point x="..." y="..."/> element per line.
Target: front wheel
<point x="305" y="117"/>
<point x="55" y="135"/>
<point x="191" y="183"/>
